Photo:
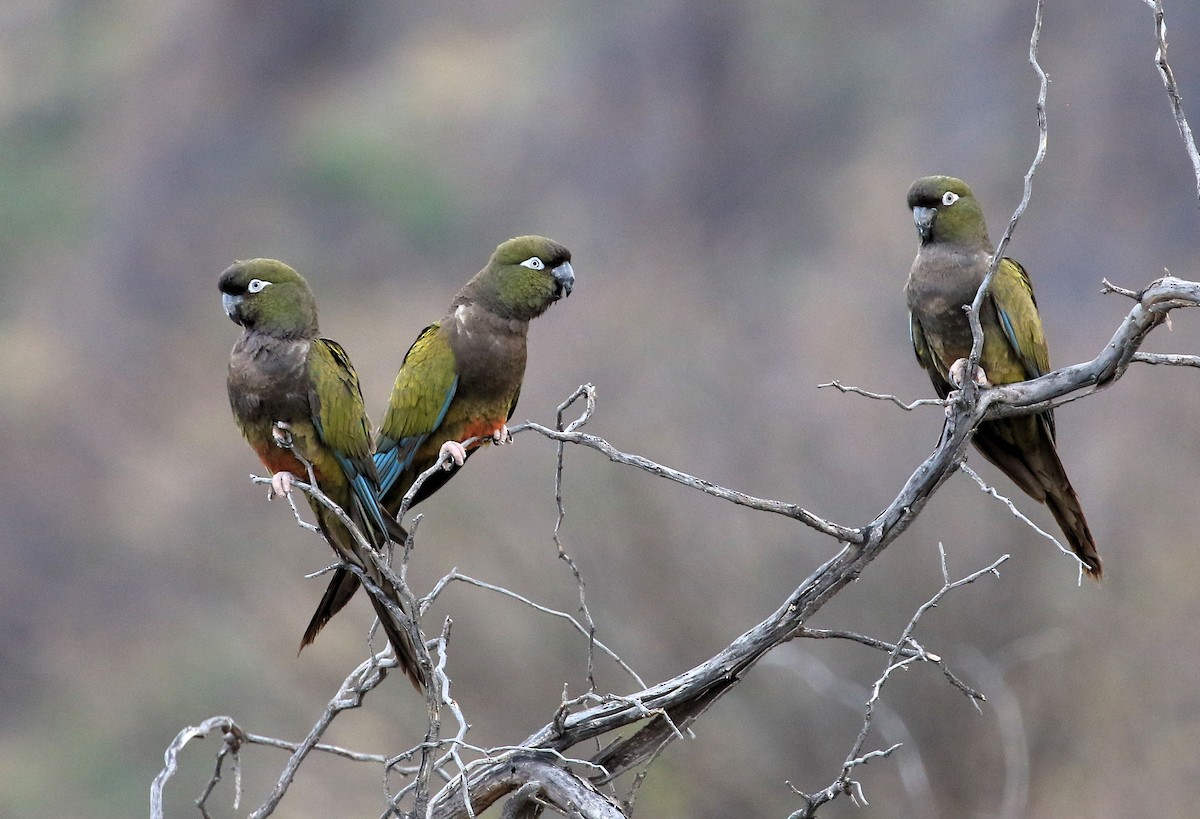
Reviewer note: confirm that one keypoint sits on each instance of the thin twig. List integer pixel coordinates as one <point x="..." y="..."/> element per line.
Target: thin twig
<point x="789" y="510"/>
<point x="970" y="388"/>
<point x="456" y="576"/>
<point x="588" y="392"/>
<point x="1168" y="78"/>
<point x="361" y="681"/>
<point x="908" y="407"/>
<point x="1169" y="359"/>
<point x="899" y="658"/>
<point x="1018" y="514"/>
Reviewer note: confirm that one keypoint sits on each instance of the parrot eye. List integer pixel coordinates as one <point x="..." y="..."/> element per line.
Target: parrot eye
<point x="533" y="263"/>
<point x="257" y="286"/>
<point x="949" y="198"/>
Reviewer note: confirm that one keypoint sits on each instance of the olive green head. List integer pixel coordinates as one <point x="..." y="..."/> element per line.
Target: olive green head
<point x="524" y="277"/>
<point x="269" y="297"/>
<point x="945" y="211"/>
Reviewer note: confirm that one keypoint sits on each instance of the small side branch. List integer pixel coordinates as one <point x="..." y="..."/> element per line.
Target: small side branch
<point x="907" y="407"/>
<point x="789" y="510"/>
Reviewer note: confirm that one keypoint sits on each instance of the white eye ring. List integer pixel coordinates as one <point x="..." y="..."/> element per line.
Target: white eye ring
<point x="257" y="285"/>
<point x="949" y="198"/>
<point x="533" y="263"/>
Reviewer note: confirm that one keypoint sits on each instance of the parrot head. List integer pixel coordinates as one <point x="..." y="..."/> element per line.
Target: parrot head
<point x="945" y="210"/>
<point x="524" y="277"/>
<point x="268" y="296"/>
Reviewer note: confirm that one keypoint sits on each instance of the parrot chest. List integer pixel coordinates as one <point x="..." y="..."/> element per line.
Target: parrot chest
<point x="938" y="303"/>
<point x="940" y="285"/>
<point x="268" y="382"/>
<point x="490" y="355"/>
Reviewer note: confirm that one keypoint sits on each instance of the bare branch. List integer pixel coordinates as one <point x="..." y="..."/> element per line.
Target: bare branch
<point x="588" y="392"/>
<point x="225" y="725"/>
<point x="844" y="783"/>
<point x="970" y="388"/>
<point x="1174" y="360"/>
<point x="1019" y="515"/>
<point x="909" y="407"/>
<point x="789" y="510"/>
<point x="1168" y="78"/>
<point x="361" y="681"/>
<point x="1109" y="287"/>
<point x="456" y="575"/>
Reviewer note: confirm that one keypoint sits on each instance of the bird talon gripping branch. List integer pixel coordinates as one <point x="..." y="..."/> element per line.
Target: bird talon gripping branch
<point x="281" y="484"/>
<point x="502" y="436"/>
<point x="452" y="454"/>
<point x="281" y="431"/>
<point x="958" y="374"/>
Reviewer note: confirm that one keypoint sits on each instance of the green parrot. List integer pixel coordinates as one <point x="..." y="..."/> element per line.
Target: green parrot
<point x="286" y="382"/>
<point x="951" y="263"/>
<point x="461" y="378"/>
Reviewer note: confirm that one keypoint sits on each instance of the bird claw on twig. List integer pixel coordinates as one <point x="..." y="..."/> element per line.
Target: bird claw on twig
<point x="281" y="484"/>
<point x="958" y="372"/>
<point x="502" y="436"/>
<point x="452" y="454"/>
<point x="281" y="431"/>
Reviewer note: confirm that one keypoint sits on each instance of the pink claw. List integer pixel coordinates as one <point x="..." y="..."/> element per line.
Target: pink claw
<point x="958" y="370"/>
<point x="502" y="436"/>
<point x="281" y="431"/>
<point x="281" y="484"/>
<point x="452" y="454"/>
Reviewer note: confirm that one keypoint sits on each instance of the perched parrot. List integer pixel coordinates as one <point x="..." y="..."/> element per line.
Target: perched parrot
<point x="286" y="382"/>
<point x="462" y="376"/>
<point x="951" y="263"/>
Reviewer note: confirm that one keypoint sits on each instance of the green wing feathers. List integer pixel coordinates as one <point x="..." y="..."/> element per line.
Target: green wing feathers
<point x="423" y="387"/>
<point x="1012" y="294"/>
<point x="340" y="418"/>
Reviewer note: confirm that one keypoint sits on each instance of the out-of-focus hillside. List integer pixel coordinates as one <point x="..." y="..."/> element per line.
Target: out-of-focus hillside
<point x="731" y="179"/>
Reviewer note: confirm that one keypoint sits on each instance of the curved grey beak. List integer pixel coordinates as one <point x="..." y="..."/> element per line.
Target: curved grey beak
<point x="923" y="217"/>
<point x="231" y="303"/>
<point x="564" y="276"/>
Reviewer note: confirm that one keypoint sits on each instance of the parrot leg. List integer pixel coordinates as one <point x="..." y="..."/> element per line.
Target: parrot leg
<point x="281" y="484"/>
<point x="502" y="436"/>
<point x="452" y="454"/>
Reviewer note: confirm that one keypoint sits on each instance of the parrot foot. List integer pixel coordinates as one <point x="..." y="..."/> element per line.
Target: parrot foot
<point x="502" y="436"/>
<point x="452" y="454"/>
<point x="281" y="431"/>
<point x="958" y="371"/>
<point x="281" y="484"/>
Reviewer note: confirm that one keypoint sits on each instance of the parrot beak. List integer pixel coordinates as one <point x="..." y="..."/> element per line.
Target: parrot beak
<point x="231" y="303"/>
<point x="564" y="279"/>
<point x="924" y="220"/>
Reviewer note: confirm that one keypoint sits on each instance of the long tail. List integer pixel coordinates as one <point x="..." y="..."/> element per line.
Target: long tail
<point x="341" y="588"/>
<point x="1064" y="505"/>
<point x="345" y="583"/>
<point x="398" y="635"/>
<point x="1024" y="450"/>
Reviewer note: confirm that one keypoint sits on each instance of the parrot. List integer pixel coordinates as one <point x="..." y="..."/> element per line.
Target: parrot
<point x="952" y="260"/>
<point x="461" y="378"/>
<point x="288" y="385"/>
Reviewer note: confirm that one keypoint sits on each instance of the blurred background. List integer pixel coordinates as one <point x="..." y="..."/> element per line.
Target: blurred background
<point x="731" y="180"/>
